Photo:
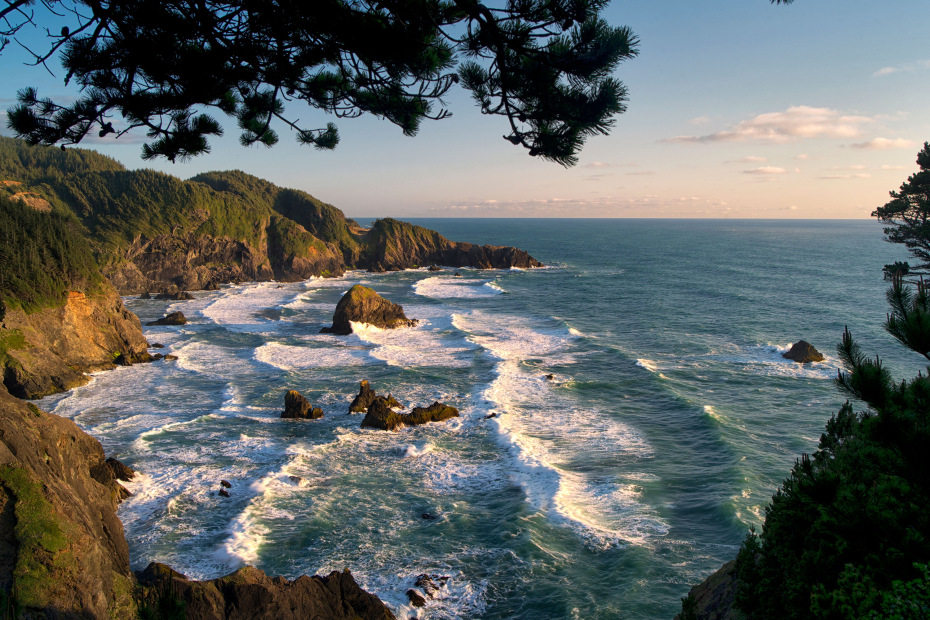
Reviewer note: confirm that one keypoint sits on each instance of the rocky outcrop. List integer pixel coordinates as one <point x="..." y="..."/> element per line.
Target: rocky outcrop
<point x="296" y="406"/>
<point x="363" y="305"/>
<point x="250" y="594"/>
<point x="50" y="350"/>
<point x="63" y="553"/>
<point x="381" y="416"/>
<point x="62" y="549"/>
<point x="713" y="598"/>
<point x="395" y="245"/>
<point x="174" y="318"/>
<point x="366" y="396"/>
<point x="803" y="352"/>
<point x="196" y="261"/>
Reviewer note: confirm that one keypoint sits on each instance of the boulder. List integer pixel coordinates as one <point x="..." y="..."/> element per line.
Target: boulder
<point x="211" y="286"/>
<point x="366" y="396"/>
<point x="416" y="599"/>
<point x="145" y="295"/>
<point x="175" y="318"/>
<point x="435" y="268"/>
<point x="298" y="407"/>
<point x="363" y="305"/>
<point x="437" y="412"/>
<point x="803" y="352"/>
<point x="178" y="296"/>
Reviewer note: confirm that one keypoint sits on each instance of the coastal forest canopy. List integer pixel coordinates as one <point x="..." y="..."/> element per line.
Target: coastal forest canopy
<point x="164" y="67"/>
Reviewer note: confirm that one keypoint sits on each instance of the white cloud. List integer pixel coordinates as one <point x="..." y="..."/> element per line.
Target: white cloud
<point x="598" y="164"/>
<point x="795" y="123"/>
<point x="802" y="156"/>
<point x="700" y="120"/>
<point x="880" y="144"/>
<point x="766" y="170"/>
<point x="889" y="167"/>
<point x="888" y="71"/>
<point x="750" y="159"/>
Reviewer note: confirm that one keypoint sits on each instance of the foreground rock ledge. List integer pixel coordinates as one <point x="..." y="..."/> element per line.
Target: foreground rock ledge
<point x="381" y="416"/>
<point x="50" y="482"/>
<point x="713" y="598"/>
<point x="250" y="594"/>
<point x="363" y="305"/>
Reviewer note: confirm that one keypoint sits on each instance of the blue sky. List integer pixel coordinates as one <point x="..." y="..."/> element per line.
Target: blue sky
<point x="738" y="108"/>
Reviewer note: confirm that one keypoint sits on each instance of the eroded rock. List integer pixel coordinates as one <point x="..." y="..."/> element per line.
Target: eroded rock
<point x="363" y="305"/>
<point x="298" y="407"/>
<point x="803" y="352"/>
<point x="175" y="318"/>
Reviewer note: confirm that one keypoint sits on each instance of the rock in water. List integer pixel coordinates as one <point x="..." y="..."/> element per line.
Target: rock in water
<point x="437" y="412"/>
<point x="366" y="396"/>
<point x="175" y="318"/>
<point x="363" y="305"/>
<point x="803" y="352"/>
<point x="380" y="415"/>
<point x="296" y="406"/>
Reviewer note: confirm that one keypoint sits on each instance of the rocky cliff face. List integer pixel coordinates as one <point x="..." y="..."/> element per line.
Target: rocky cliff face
<point x="63" y="553"/>
<point x="395" y="245"/>
<point x="62" y="549"/>
<point x="50" y="350"/>
<point x="192" y="261"/>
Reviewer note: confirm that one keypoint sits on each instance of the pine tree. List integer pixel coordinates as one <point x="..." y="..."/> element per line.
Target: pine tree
<point x="908" y="211"/>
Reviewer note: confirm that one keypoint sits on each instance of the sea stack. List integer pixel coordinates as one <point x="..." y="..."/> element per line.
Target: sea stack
<point x="363" y="305"/>
<point x="803" y="352"/>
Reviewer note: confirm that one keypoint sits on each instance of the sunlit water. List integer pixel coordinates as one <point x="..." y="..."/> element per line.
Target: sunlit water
<point x="603" y="492"/>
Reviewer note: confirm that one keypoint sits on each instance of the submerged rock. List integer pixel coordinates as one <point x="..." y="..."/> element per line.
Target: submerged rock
<point x="437" y="412"/>
<point x="298" y="407"/>
<point x="178" y="296"/>
<point x="175" y="318"/>
<point x="714" y="597"/>
<point x="803" y="352"/>
<point x="363" y="305"/>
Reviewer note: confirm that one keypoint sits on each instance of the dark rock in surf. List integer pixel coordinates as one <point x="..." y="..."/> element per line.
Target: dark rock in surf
<point x="145" y="295"/>
<point x="435" y="268"/>
<point x="803" y="352"/>
<point x="363" y="305"/>
<point x="416" y="599"/>
<point x="381" y="416"/>
<point x="297" y="407"/>
<point x="175" y="318"/>
<point x="224" y="493"/>
<point x="178" y="296"/>
<point x="169" y="358"/>
<point x="366" y="396"/>
<point x="211" y="286"/>
<point x="714" y="597"/>
<point x="225" y="484"/>
<point x="157" y="345"/>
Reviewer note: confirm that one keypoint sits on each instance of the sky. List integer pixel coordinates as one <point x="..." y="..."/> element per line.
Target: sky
<point x="737" y="109"/>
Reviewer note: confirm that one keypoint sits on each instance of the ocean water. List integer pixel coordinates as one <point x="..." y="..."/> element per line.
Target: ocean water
<point x="603" y="492"/>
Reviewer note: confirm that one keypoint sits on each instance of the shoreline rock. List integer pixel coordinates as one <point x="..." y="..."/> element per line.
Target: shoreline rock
<point x="363" y="305"/>
<point x="174" y="318"/>
<point x="298" y="407"/>
<point x="803" y="352"/>
<point x="381" y="416"/>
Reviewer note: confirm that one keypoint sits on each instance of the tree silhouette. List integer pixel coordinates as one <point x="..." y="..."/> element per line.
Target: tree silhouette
<point x="908" y="211"/>
<point x="545" y="65"/>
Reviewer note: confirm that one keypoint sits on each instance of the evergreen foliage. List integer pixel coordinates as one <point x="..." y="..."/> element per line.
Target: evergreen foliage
<point x="908" y="212"/>
<point x="43" y="256"/>
<point x="848" y="533"/>
<point x="545" y="65"/>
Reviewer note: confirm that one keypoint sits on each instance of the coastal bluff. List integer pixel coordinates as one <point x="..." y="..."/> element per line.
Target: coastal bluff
<point x="63" y="553"/>
<point x="153" y="232"/>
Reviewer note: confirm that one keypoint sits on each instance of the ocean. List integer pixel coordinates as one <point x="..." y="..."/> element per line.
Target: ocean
<point x="605" y="491"/>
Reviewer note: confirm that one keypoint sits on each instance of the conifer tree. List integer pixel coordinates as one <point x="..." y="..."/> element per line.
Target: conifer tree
<point x="166" y="67"/>
<point x="908" y="212"/>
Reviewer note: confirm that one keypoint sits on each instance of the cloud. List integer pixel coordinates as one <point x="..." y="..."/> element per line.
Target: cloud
<point x="802" y="156"/>
<point x="766" y="170"/>
<point x="700" y="120"/>
<point x="749" y="159"/>
<point x="834" y="177"/>
<point x="795" y="123"/>
<point x="639" y="173"/>
<point x="598" y="164"/>
<point x="890" y="167"/>
<point x="881" y="144"/>
<point x="902" y="68"/>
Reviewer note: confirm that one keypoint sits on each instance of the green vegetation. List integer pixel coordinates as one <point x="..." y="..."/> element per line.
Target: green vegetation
<point x="43" y="256"/>
<point x="43" y="540"/>
<point x="847" y="535"/>
<point x="908" y="212"/>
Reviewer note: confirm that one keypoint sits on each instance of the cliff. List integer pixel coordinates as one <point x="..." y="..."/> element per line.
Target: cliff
<point x="395" y="245"/>
<point x="49" y="350"/>
<point x="153" y="232"/>
<point x="63" y="553"/>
